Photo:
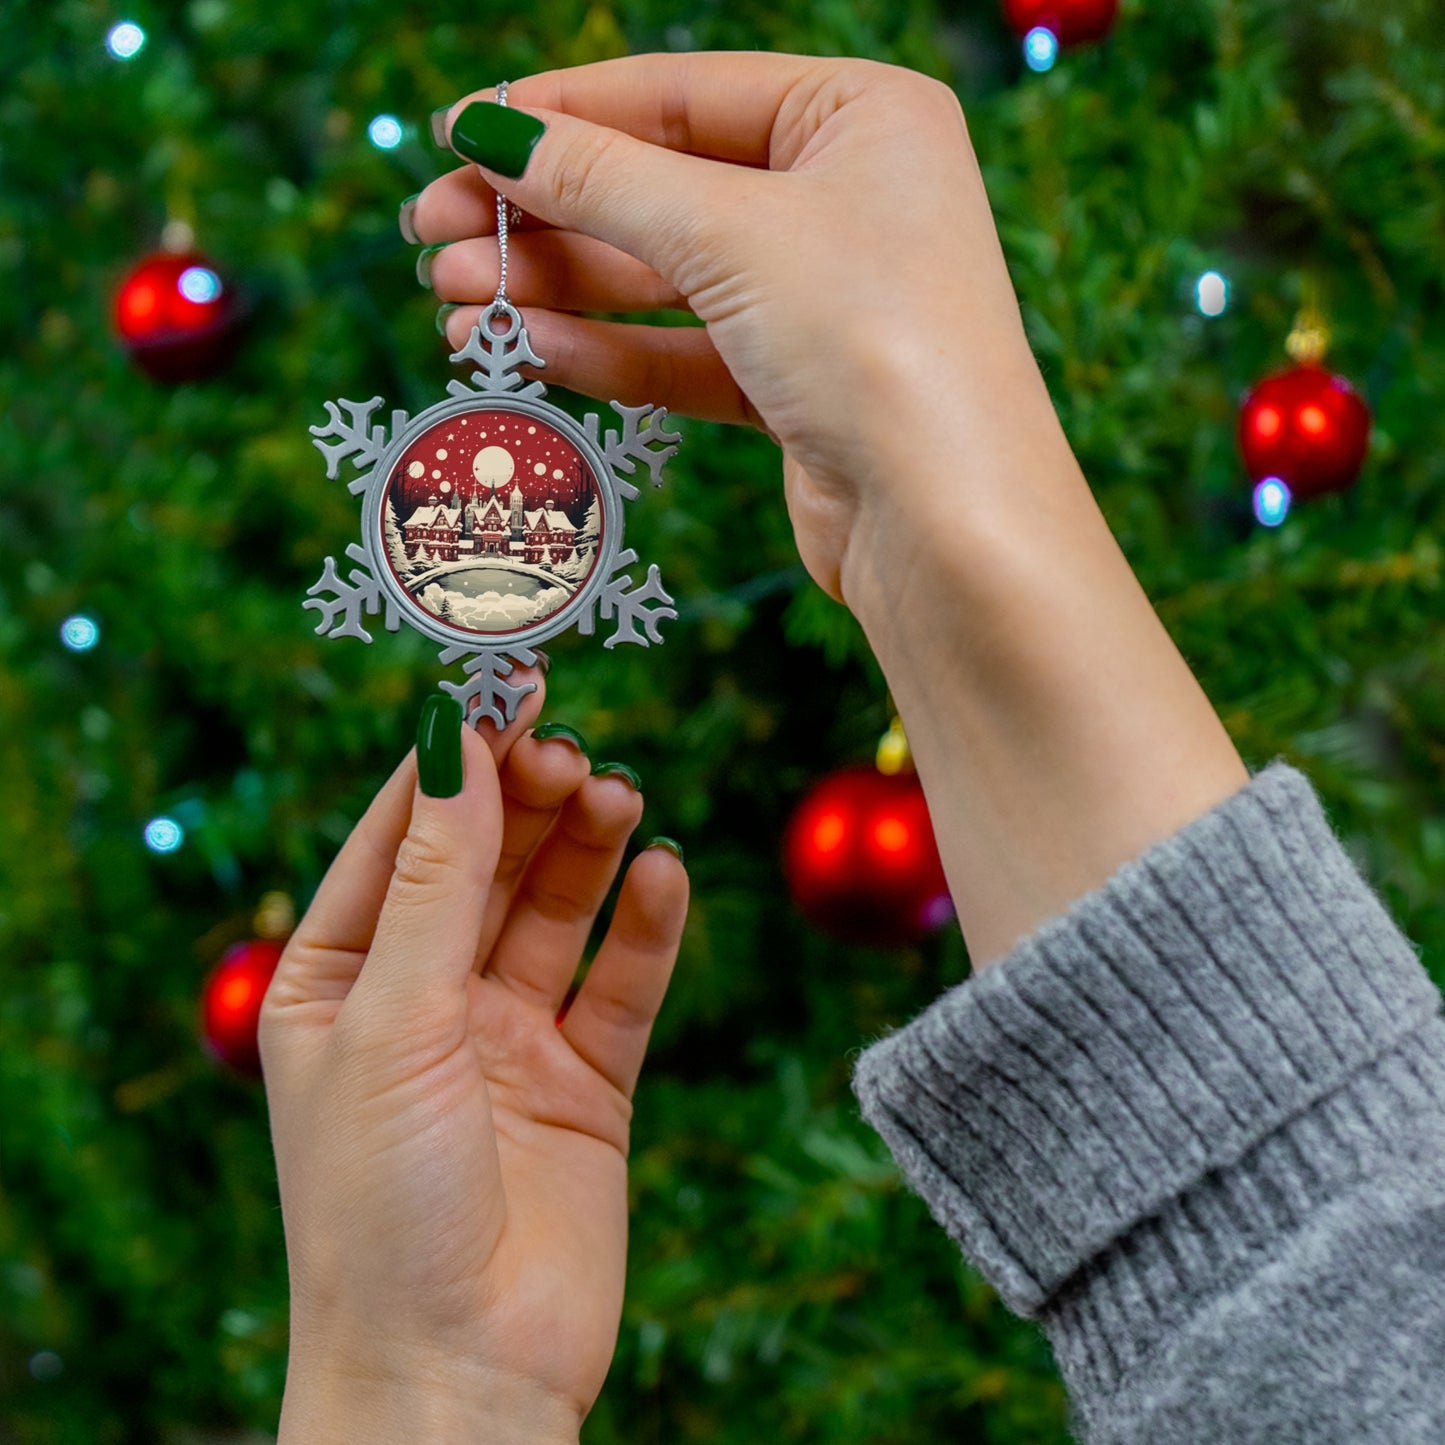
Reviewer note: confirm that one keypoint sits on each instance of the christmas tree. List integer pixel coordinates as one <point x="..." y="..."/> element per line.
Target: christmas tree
<point x="177" y="744"/>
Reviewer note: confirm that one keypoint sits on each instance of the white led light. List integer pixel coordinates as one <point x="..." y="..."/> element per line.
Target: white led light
<point x="385" y="132"/>
<point x="1271" y="502"/>
<point x="164" y="835"/>
<point x="1211" y="293"/>
<point x="199" y="284"/>
<point x="1041" y="48"/>
<point x="79" y="633"/>
<point x="126" y="40"/>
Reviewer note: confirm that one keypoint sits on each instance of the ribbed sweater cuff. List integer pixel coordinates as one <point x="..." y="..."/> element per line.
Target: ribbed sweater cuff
<point x="1225" y="982"/>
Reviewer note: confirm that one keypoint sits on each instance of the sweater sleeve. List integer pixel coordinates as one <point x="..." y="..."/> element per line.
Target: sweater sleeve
<point x="1196" y="1127"/>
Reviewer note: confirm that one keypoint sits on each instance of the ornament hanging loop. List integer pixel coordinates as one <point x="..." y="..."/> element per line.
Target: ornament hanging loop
<point x="508" y="215"/>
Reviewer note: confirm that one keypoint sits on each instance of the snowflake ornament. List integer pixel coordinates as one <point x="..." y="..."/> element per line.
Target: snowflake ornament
<point x="492" y="521"/>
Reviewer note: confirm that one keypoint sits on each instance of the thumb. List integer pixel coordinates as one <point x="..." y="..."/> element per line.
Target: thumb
<point x="651" y="202"/>
<point x="425" y="942"/>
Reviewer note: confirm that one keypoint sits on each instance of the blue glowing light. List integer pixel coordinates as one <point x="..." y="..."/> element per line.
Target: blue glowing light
<point x="164" y="835"/>
<point x="126" y="40"/>
<point x="1041" y="48"/>
<point x="1271" y="502"/>
<point x="385" y="132"/>
<point x="1211" y="294"/>
<point x="80" y="633"/>
<point x="199" y="284"/>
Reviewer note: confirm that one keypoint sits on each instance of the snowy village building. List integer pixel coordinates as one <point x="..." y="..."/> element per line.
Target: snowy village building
<point x="542" y="536"/>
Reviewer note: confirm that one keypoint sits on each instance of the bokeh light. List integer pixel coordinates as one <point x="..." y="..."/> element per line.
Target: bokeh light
<point x="1211" y="294"/>
<point x="199" y="284"/>
<point x="80" y="633"/>
<point x="1271" y="502"/>
<point x="164" y="835"/>
<point x="126" y="40"/>
<point x="385" y="132"/>
<point x="1041" y="48"/>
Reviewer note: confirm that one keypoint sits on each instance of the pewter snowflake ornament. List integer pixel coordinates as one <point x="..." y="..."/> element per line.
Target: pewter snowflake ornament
<point x="492" y="521"/>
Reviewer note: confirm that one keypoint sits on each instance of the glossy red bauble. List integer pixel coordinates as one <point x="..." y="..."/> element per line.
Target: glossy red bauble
<point x="1073" y="22"/>
<point x="861" y="860"/>
<point x="176" y="317"/>
<point x="1307" y="427"/>
<point x="231" y="1003"/>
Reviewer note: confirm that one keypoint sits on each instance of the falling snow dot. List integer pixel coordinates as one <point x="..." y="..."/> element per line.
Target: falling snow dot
<point x="164" y="835"/>
<point x="1041" y="48"/>
<point x="540" y="468"/>
<point x="385" y="132"/>
<point x="1211" y="294"/>
<point x="415" y="469"/>
<point x="531" y="431"/>
<point x="557" y="474"/>
<point x="436" y="472"/>
<point x="126" y="40"/>
<point x="441" y="454"/>
<point x="79" y="633"/>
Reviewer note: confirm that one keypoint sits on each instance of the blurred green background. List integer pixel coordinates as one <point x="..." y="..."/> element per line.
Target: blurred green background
<point x="783" y="1285"/>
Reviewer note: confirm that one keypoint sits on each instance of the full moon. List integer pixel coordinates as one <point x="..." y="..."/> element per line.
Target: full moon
<point x="493" y="466"/>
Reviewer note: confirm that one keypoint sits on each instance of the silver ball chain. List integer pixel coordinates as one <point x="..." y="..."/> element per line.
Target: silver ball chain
<point x="507" y="215"/>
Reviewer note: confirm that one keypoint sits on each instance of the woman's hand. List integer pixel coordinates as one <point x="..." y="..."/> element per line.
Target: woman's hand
<point x="452" y="1158"/>
<point x="825" y="218"/>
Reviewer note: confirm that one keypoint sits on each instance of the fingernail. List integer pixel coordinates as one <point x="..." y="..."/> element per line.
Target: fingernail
<point x="618" y="770"/>
<point x="543" y="660"/>
<point x="561" y="730"/>
<point x="423" y="263"/>
<point x="443" y="312"/>
<point x="671" y="844"/>
<point x="439" y="125"/>
<point x="404" y="219"/>
<point x="439" y="747"/>
<point x="496" y="136"/>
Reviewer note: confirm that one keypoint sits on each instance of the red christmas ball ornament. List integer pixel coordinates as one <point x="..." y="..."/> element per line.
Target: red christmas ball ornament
<point x="176" y="317"/>
<point x="1071" y="22"/>
<point x="861" y="860"/>
<point x="231" y="1003"/>
<point x="1306" y="426"/>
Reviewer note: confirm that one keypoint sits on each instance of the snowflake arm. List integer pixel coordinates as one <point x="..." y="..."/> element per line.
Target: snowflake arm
<point x="359" y="440"/>
<point x="630" y="606"/>
<point x="341" y="613"/>
<point x="497" y="356"/>
<point x="486" y="693"/>
<point x="643" y="438"/>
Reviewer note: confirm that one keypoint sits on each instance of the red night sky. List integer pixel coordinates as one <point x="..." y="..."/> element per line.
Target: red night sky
<point x="445" y="453"/>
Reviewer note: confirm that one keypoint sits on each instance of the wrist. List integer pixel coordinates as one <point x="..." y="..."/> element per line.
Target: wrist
<point x="411" y="1398"/>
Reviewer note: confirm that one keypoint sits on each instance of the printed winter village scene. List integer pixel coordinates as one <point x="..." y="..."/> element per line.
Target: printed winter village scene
<point x="492" y="521"/>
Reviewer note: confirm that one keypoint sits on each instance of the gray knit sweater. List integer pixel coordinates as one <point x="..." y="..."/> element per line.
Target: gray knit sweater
<point x="1196" y="1127"/>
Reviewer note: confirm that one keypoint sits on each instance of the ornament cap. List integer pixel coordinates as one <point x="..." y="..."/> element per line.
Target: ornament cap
<point x="1308" y="342"/>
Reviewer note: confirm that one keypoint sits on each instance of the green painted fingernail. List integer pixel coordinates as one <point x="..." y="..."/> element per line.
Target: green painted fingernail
<point x="439" y="125"/>
<point x="561" y="730"/>
<point x="405" y="220"/>
<point x="617" y="770"/>
<point x="443" y="312"/>
<point x="423" y="263"/>
<point x="496" y="136"/>
<point x="671" y="844"/>
<point x="439" y="747"/>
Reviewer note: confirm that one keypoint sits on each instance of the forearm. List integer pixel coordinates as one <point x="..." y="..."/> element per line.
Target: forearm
<point x="1057" y="730"/>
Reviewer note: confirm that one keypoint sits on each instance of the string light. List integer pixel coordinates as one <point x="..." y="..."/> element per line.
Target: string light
<point x="199" y="284"/>
<point x="126" y="40"/>
<point x="1271" y="502"/>
<point x="164" y="835"/>
<point x="1211" y="294"/>
<point x="80" y="633"/>
<point x="385" y="132"/>
<point x="1041" y="48"/>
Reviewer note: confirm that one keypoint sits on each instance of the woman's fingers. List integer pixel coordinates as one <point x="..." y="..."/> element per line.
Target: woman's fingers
<point x="539" y="776"/>
<point x="557" y="269"/>
<point x="611" y="1018"/>
<point x="673" y="366"/>
<point x="564" y="887"/>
